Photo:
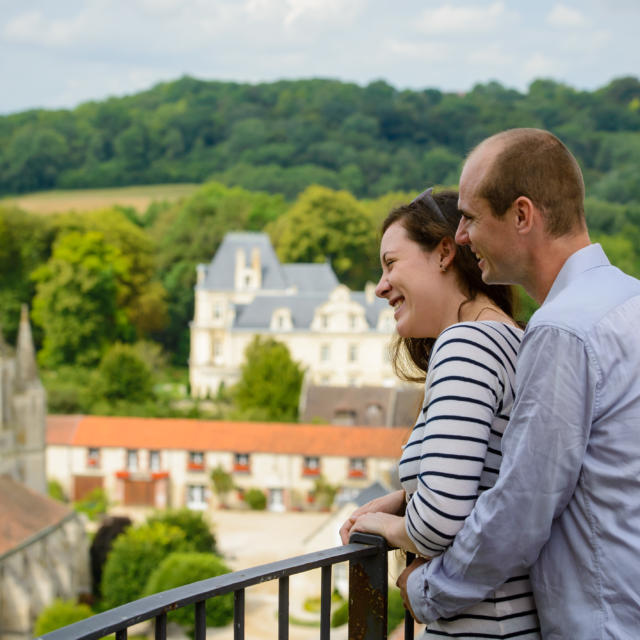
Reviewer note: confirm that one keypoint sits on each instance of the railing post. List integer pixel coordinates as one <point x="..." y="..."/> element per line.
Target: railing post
<point x="368" y="591"/>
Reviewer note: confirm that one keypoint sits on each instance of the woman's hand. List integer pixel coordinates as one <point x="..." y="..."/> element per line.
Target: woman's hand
<point x="391" y="503"/>
<point x="390" y="527"/>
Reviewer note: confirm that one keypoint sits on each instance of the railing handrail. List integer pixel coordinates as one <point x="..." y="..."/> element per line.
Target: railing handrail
<point x="157" y="604"/>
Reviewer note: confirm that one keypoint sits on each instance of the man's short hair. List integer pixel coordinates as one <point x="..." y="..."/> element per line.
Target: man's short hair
<point x="535" y="164"/>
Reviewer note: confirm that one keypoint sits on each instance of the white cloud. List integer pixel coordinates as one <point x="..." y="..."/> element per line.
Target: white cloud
<point x="293" y="13"/>
<point x="541" y="66"/>
<point x="456" y="19"/>
<point x="424" y="51"/>
<point x="562" y="17"/>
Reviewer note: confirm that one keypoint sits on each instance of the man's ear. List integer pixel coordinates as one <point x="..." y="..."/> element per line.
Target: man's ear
<point x="446" y="251"/>
<point x="525" y="214"/>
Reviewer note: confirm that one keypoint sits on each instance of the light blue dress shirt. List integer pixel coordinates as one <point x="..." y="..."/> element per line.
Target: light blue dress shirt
<point x="567" y="501"/>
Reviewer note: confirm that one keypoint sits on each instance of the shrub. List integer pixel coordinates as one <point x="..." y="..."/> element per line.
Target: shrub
<point x="134" y="556"/>
<point x="55" y="491"/>
<point x="341" y="615"/>
<point x="195" y="526"/>
<point x="94" y="504"/>
<point x="255" y="499"/>
<point x="59" y="614"/>
<point x="179" y="569"/>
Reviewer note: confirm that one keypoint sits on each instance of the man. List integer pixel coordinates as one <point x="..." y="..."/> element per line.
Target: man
<point x="567" y="501"/>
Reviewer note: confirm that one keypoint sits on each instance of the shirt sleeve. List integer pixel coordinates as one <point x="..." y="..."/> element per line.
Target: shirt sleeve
<point x="463" y="392"/>
<point x="543" y="448"/>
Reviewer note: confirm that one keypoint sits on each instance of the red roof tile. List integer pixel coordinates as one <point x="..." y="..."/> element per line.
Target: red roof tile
<point x="61" y="429"/>
<point x="240" y="437"/>
<point x="24" y="513"/>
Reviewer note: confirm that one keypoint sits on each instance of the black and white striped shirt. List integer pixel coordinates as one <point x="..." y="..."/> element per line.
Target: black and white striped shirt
<point x="454" y="453"/>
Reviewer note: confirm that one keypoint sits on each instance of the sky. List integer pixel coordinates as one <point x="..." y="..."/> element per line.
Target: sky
<point x="58" y="54"/>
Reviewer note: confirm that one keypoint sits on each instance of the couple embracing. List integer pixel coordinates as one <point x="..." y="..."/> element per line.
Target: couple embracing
<point x="521" y="476"/>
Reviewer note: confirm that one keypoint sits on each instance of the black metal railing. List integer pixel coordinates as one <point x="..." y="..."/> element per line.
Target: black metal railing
<point x="367" y="557"/>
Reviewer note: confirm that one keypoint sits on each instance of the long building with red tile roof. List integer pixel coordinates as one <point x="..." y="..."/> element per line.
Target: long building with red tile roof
<point x="168" y="461"/>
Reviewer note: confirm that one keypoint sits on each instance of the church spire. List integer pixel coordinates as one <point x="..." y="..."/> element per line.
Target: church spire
<point x="27" y="370"/>
<point x="3" y="344"/>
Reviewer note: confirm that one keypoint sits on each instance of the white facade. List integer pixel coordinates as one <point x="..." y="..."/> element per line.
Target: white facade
<point x="283" y="460"/>
<point x="341" y="337"/>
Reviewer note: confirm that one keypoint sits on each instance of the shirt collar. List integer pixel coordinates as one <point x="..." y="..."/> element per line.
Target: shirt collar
<point x="582" y="260"/>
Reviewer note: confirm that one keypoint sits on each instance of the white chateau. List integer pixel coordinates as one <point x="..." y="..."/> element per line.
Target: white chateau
<point x="340" y="336"/>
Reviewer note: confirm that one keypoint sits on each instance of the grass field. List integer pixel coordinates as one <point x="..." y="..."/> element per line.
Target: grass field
<point x="139" y="197"/>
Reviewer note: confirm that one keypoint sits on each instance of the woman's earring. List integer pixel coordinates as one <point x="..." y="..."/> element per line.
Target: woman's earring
<point x="442" y="267"/>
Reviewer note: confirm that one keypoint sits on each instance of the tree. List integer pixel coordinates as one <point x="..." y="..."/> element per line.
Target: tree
<point x="327" y="225"/>
<point x="194" y="525"/>
<point x="135" y="554"/>
<point x="323" y="493"/>
<point x="270" y="382"/>
<point x="76" y="299"/>
<point x="189" y="233"/>
<point x="60" y="613"/>
<point x="178" y="569"/>
<point x="222" y="483"/>
<point x="123" y="375"/>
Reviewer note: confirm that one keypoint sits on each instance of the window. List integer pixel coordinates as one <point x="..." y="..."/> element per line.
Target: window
<point x="311" y="466"/>
<point x="196" y="461"/>
<point x="132" y="459"/>
<point x="154" y="460"/>
<point x="217" y="310"/>
<point x="353" y="352"/>
<point x="324" y="320"/>
<point x="374" y="415"/>
<point x="353" y="319"/>
<point x="196" y="496"/>
<point x="241" y="463"/>
<point x="357" y="468"/>
<point x="93" y="457"/>
<point x="346" y="417"/>
<point x="325" y="352"/>
<point x="217" y="351"/>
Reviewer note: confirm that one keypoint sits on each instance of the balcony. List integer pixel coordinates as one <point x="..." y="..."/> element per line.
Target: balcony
<point x="368" y="581"/>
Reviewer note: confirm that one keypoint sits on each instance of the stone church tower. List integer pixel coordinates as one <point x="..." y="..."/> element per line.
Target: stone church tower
<point x="23" y="409"/>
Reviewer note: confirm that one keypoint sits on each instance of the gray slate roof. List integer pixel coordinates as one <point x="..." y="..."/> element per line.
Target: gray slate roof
<point x="220" y="272"/>
<point x="257" y="314"/>
<point x="304" y="276"/>
<point x="313" y="283"/>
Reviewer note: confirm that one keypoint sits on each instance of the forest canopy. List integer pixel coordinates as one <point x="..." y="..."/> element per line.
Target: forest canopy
<point x="281" y="137"/>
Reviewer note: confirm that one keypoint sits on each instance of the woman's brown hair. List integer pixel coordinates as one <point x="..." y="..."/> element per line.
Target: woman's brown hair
<point x="427" y="226"/>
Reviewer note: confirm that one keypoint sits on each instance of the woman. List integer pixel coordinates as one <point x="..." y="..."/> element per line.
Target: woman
<point x="458" y="333"/>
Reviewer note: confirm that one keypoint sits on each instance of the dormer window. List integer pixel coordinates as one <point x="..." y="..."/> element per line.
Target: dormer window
<point x="281" y="320"/>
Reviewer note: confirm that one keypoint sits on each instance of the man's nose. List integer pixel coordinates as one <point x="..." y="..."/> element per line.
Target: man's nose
<point x="462" y="237"/>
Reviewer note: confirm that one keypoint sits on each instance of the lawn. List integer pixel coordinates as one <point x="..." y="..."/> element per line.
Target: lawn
<point x="139" y="197"/>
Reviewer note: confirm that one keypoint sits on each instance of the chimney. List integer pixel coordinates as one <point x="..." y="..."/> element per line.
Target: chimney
<point x="201" y="271"/>
<point x="239" y="271"/>
<point x="256" y="267"/>
<point x="369" y="292"/>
